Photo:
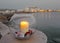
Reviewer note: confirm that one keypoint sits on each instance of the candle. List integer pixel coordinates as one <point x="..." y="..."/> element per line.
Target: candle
<point x="24" y="26"/>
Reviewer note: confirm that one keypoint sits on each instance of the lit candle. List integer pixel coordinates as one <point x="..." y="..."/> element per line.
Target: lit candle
<point x="24" y="26"/>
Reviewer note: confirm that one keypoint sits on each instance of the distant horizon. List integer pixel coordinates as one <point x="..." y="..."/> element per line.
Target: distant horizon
<point x="24" y="8"/>
<point x="21" y="4"/>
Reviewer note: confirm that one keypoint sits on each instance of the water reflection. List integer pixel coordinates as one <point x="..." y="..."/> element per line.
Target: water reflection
<point x="49" y="23"/>
<point x="48" y="19"/>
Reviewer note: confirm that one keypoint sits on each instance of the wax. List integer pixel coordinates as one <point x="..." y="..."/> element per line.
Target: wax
<point x="24" y="26"/>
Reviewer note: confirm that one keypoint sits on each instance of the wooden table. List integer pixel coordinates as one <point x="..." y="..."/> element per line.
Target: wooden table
<point x="37" y="37"/>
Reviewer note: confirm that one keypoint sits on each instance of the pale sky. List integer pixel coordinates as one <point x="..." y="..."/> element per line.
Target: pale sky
<point x="18" y="4"/>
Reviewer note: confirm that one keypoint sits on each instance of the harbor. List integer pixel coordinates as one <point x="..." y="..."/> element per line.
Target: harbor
<point x="46" y="22"/>
<point x="29" y="21"/>
<point x="26" y="10"/>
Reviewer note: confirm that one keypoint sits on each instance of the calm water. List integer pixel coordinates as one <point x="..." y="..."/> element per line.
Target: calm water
<point x="49" y="23"/>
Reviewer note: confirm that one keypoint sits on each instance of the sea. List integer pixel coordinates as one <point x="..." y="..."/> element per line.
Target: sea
<point x="49" y="23"/>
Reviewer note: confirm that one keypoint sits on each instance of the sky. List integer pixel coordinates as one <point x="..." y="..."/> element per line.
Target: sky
<point x="20" y="4"/>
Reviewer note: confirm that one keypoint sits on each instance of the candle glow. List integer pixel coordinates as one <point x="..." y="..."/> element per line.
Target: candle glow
<point x="24" y="26"/>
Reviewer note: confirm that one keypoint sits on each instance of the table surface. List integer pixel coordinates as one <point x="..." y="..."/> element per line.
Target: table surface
<point x="37" y="37"/>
